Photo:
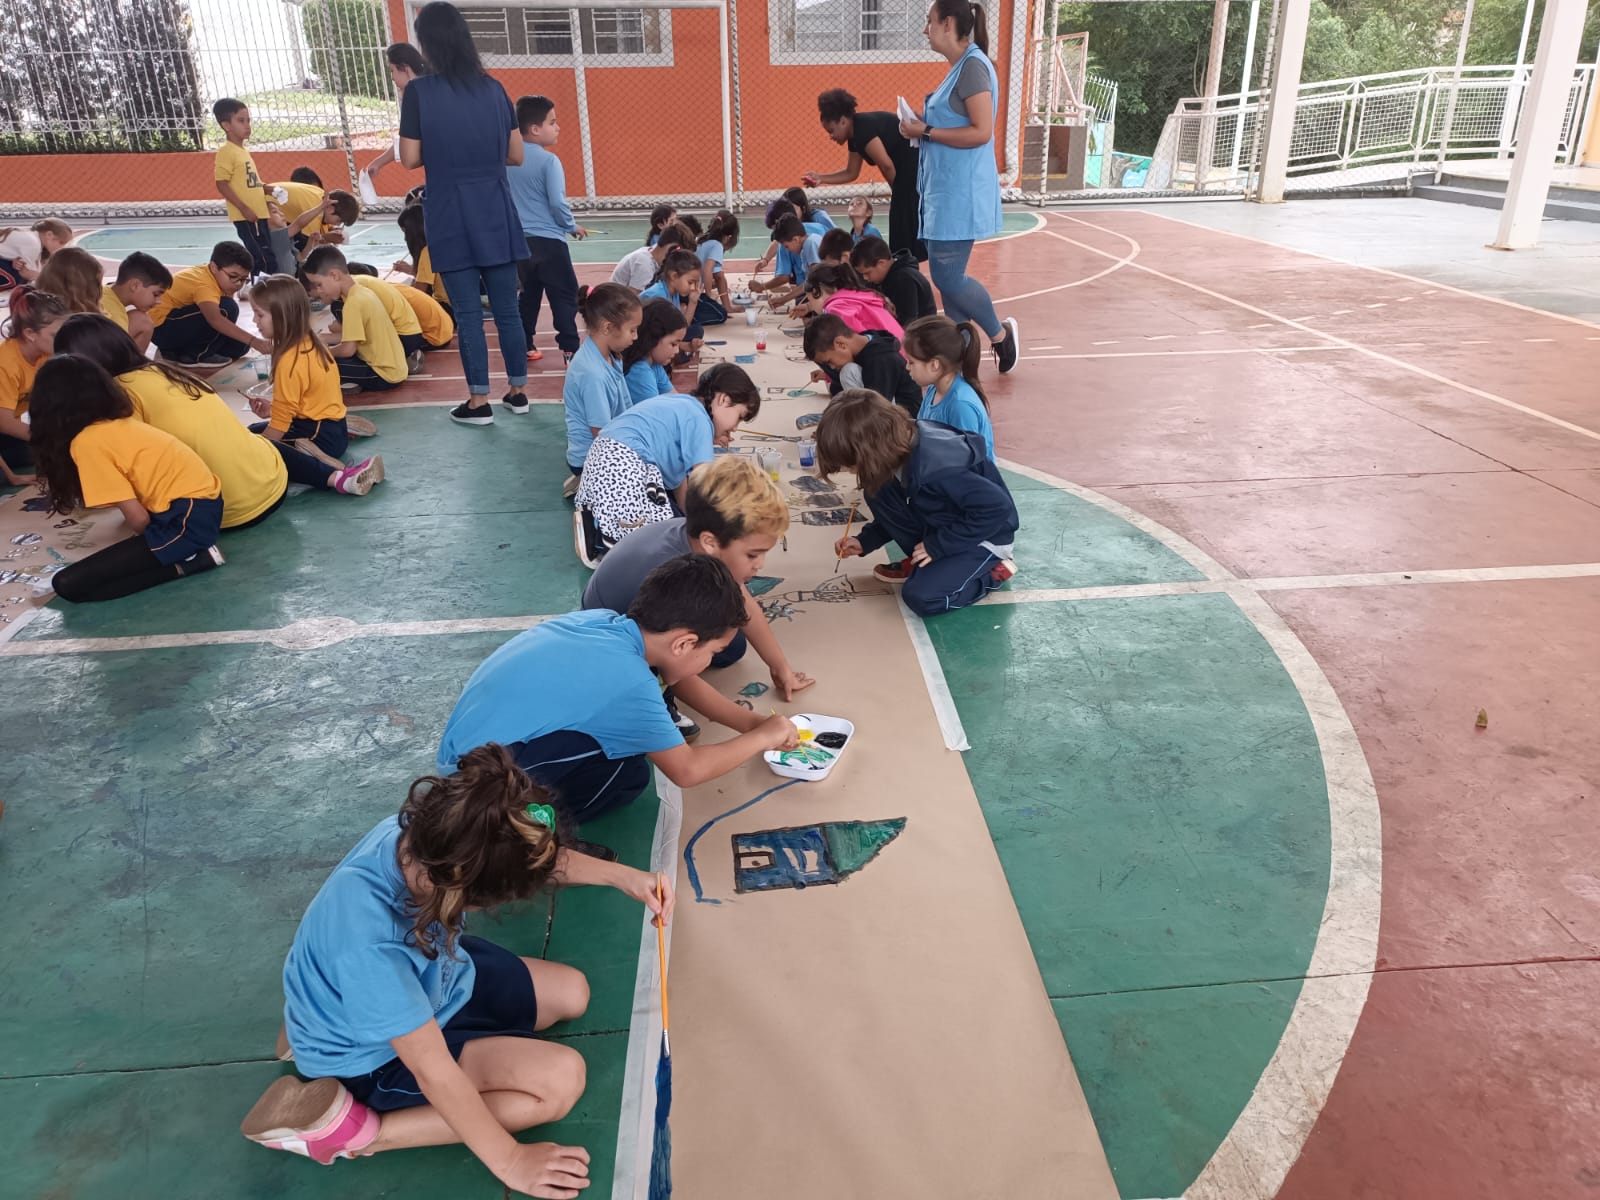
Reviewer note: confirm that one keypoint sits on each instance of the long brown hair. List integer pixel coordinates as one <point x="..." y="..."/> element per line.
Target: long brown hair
<point x="69" y="395"/>
<point x="99" y="339"/>
<point x="475" y="843"/>
<point x="863" y="433"/>
<point x="286" y="303"/>
<point x="74" y="275"/>
<point x="956" y="346"/>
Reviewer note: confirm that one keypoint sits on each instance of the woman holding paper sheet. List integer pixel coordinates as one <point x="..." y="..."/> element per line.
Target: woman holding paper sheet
<point x="874" y="137"/>
<point x="458" y="123"/>
<point x="957" y="181"/>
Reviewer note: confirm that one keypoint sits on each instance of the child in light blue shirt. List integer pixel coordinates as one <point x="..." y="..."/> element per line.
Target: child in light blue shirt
<point x="384" y="991"/>
<point x="595" y="390"/>
<point x="635" y="471"/>
<point x="645" y="363"/>
<point x="942" y="358"/>
<point x="539" y="190"/>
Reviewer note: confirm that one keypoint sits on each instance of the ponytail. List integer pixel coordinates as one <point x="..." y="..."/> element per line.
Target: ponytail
<point x="980" y="39"/>
<point x="606" y="303"/>
<point x="959" y="347"/>
<point x="969" y="19"/>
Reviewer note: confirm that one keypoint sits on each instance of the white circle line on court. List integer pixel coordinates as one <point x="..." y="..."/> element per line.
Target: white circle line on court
<point x="1270" y="1131"/>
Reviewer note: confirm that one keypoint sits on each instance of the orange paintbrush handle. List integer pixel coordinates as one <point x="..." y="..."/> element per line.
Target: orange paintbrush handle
<point x="661" y="950"/>
<point x="848" y="521"/>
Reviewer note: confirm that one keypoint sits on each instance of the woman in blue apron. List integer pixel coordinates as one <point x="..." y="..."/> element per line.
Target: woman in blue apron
<point x="957" y="180"/>
<point x="458" y="123"/>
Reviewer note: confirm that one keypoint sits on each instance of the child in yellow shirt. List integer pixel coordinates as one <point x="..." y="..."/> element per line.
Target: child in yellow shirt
<point x="142" y="279"/>
<point x="400" y="313"/>
<point x="29" y="340"/>
<point x="253" y="476"/>
<point x="93" y="453"/>
<point x="438" y="328"/>
<point x="240" y="185"/>
<point x="195" y="319"/>
<point x="364" y="339"/>
<point x="306" y="415"/>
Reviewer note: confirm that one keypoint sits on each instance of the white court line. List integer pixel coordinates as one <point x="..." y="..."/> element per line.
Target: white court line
<point x="636" y="1118"/>
<point x="1191" y="353"/>
<point x="1271" y="1130"/>
<point x="1132" y="254"/>
<point x="309" y="633"/>
<point x="944" y="705"/>
<point x="1294" y="583"/>
<point x="1433" y="286"/>
<point x="314" y="633"/>
<point x="1401" y="364"/>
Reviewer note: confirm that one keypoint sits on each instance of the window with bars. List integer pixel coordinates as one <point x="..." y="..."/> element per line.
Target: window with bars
<point x="833" y="31"/>
<point x="523" y="35"/>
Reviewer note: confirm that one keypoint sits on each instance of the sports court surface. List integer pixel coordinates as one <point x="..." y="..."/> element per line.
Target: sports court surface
<point x="1288" y="524"/>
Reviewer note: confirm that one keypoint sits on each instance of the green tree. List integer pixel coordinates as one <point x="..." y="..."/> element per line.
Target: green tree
<point x="347" y="44"/>
<point x="126" y="83"/>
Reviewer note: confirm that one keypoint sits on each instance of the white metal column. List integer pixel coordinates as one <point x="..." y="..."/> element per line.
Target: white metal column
<point x="1287" y="60"/>
<point x="1017" y="74"/>
<point x="723" y="39"/>
<point x="1539" y="129"/>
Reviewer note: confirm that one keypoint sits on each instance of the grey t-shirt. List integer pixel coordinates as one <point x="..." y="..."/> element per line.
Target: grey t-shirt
<point x="616" y="580"/>
<point x="974" y="78"/>
<point x="636" y="270"/>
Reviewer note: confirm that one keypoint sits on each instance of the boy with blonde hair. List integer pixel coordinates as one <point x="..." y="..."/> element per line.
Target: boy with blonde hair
<point x="732" y="512"/>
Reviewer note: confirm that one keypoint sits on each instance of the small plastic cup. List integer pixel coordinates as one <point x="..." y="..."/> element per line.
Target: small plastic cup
<point x="772" y="463"/>
<point x="808" y="454"/>
<point x="263" y="368"/>
<point x="761" y="341"/>
<point x="750" y="316"/>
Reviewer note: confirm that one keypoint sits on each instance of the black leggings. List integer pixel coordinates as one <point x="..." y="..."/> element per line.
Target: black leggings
<point x="122" y="569"/>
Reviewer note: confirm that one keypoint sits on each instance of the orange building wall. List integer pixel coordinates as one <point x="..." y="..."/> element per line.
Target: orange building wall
<point x="655" y="130"/>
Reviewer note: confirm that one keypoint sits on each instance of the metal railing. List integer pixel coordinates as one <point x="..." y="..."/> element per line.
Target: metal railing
<point x="1367" y="129"/>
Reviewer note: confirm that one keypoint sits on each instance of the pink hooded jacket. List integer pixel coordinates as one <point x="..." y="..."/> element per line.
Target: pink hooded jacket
<point x="862" y="311"/>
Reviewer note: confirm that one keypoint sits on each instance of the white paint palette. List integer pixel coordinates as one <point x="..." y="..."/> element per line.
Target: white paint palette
<point x="823" y="741"/>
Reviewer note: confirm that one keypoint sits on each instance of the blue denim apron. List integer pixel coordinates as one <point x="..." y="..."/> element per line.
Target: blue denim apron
<point x="958" y="190"/>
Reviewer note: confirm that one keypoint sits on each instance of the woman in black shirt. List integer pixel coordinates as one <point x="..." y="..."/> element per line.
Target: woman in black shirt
<point x="876" y="138"/>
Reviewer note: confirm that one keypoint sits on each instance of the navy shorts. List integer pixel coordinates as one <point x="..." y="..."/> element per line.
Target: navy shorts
<point x="502" y="1004"/>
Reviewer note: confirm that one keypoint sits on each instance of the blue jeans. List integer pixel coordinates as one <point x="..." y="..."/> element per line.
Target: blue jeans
<point x="965" y="299"/>
<point x="500" y="284"/>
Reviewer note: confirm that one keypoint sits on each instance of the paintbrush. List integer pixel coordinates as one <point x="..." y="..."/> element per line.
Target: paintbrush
<point x="848" y="521"/>
<point x="660" y="1186"/>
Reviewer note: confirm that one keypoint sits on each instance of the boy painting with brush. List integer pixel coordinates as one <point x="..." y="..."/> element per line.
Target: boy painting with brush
<point x="577" y="701"/>
<point x="732" y="512"/>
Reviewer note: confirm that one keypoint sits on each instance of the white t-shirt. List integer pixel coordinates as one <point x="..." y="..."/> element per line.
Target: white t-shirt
<point x="22" y="247"/>
<point x="636" y="269"/>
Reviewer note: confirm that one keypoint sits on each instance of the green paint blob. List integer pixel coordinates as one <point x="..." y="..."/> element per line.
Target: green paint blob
<point x="853" y="844"/>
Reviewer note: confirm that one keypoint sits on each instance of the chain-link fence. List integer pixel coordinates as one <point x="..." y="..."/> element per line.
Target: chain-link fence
<point x="109" y="101"/>
<point x="106" y="104"/>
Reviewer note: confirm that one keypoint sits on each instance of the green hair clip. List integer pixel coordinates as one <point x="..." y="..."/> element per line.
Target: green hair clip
<point x="543" y="814"/>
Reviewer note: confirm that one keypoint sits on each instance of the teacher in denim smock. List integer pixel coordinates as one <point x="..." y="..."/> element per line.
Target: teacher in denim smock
<point x="458" y="124"/>
<point x="957" y="181"/>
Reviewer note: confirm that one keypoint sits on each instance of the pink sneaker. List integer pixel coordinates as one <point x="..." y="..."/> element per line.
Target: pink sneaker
<point x="358" y="480"/>
<point x="320" y="1120"/>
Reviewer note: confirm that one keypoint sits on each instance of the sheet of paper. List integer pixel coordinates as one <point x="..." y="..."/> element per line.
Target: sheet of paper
<point x="905" y="112"/>
<point x="851" y="981"/>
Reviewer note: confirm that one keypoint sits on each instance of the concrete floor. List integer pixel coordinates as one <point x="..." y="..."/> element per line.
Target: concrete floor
<point x="1287" y="525"/>
<point x="1442" y="243"/>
